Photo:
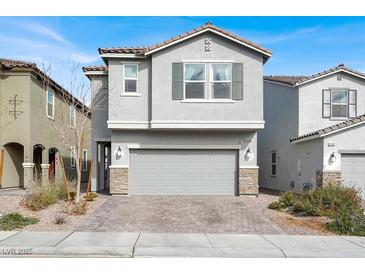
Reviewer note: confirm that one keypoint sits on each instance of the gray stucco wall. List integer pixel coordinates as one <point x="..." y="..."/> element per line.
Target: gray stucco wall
<point x="124" y="107"/>
<point x="154" y="101"/>
<point x="349" y="140"/>
<point x="99" y="126"/>
<point x="183" y="139"/>
<point x="310" y="100"/>
<point x="164" y="108"/>
<point x="281" y="123"/>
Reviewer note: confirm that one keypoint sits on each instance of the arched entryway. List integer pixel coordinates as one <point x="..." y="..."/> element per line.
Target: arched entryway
<point x="37" y="160"/>
<point x="13" y="174"/>
<point x="52" y="156"/>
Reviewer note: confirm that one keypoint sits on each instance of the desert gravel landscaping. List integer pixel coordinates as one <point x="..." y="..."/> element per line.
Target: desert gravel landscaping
<point x="13" y="203"/>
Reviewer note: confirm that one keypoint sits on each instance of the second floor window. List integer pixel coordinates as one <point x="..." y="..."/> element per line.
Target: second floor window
<point x="221" y="78"/>
<point x="50" y="103"/>
<point x="339" y="103"/>
<point x="130" y="77"/>
<point x="194" y="81"/>
<point x="72" y="116"/>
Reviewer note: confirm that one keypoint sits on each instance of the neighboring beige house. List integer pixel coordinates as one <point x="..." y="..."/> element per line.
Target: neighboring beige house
<point x="314" y="131"/>
<point x="181" y="117"/>
<point x="30" y="146"/>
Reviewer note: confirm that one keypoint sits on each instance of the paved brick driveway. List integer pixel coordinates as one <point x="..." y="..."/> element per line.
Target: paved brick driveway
<point x="183" y="214"/>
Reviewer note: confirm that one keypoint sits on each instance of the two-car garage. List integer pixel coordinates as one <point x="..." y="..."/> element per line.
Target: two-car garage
<point x="182" y="172"/>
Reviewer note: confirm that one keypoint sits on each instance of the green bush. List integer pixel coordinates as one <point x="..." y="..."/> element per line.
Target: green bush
<point x="13" y="221"/>
<point x="42" y="197"/>
<point x="340" y="203"/>
<point x="286" y="200"/>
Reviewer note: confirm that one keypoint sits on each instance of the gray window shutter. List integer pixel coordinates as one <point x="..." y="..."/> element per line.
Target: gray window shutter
<point x="237" y="81"/>
<point x="177" y="81"/>
<point x="326" y="103"/>
<point x="352" y="103"/>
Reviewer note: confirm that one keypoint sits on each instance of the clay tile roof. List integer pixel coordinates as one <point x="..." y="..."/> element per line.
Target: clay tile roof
<point x="284" y="79"/>
<point x="95" y="68"/>
<point x="208" y="25"/>
<point x="326" y="130"/>
<point x="297" y="80"/>
<point x="11" y="63"/>
<point x="127" y="50"/>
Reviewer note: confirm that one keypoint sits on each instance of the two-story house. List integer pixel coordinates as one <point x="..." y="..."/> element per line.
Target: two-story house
<point x="181" y="117"/>
<point x="314" y="131"/>
<point x="30" y="147"/>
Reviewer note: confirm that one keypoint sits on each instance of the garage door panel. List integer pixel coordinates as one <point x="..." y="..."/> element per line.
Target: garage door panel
<point x="353" y="171"/>
<point x="182" y="172"/>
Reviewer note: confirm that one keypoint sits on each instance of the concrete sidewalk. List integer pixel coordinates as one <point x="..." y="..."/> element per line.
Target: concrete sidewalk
<point x="115" y="244"/>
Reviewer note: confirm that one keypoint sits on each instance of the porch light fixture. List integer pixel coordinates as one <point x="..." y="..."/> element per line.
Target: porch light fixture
<point x="248" y="154"/>
<point x="119" y="152"/>
<point x="333" y="158"/>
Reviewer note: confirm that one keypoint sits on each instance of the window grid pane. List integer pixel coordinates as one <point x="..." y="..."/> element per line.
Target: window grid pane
<point x="194" y="90"/>
<point x="222" y="72"/>
<point x="130" y="71"/>
<point x="194" y="72"/>
<point x="130" y="85"/>
<point x="221" y="90"/>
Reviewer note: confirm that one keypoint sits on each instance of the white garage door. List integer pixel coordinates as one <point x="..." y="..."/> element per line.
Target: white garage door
<point x="182" y="172"/>
<point x="353" y="170"/>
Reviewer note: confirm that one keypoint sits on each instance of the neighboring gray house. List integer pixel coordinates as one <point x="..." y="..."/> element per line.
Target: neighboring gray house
<point x="181" y="117"/>
<point x="314" y="131"/>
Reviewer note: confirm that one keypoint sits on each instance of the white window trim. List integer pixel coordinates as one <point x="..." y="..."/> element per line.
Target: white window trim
<point x="208" y="82"/>
<point x="341" y="104"/>
<point x="272" y="164"/>
<point x="53" y="106"/>
<point x="72" y="108"/>
<point x="73" y="156"/>
<point x="84" y="164"/>
<point x="195" y="81"/>
<point x="212" y="81"/>
<point x="124" y="93"/>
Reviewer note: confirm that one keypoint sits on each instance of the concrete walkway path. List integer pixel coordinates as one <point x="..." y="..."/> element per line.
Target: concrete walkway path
<point x="118" y="244"/>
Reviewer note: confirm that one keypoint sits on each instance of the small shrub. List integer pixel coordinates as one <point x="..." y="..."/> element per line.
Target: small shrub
<point x="42" y="197"/>
<point x="90" y="196"/>
<point x="60" y="218"/>
<point x="73" y="195"/>
<point x="79" y="208"/>
<point x="286" y="200"/>
<point x="13" y="221"/>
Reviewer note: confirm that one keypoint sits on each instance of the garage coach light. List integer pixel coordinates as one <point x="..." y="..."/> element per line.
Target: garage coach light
<point x="248" y="154"/>
<point x="333" y="158"/>
<point x="119" y="152"/>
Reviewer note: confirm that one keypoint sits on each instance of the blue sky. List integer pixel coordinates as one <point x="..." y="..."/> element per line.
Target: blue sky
<point x="300" y="45"/>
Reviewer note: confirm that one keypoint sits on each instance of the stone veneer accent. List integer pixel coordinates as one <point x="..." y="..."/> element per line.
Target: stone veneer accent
<point x="248" y="181"/>
<point x="119" y="181"/>
<point x="322" y="178"/>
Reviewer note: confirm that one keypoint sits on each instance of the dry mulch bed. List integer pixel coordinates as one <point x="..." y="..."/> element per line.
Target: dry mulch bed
<point x="46" y="216"/>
